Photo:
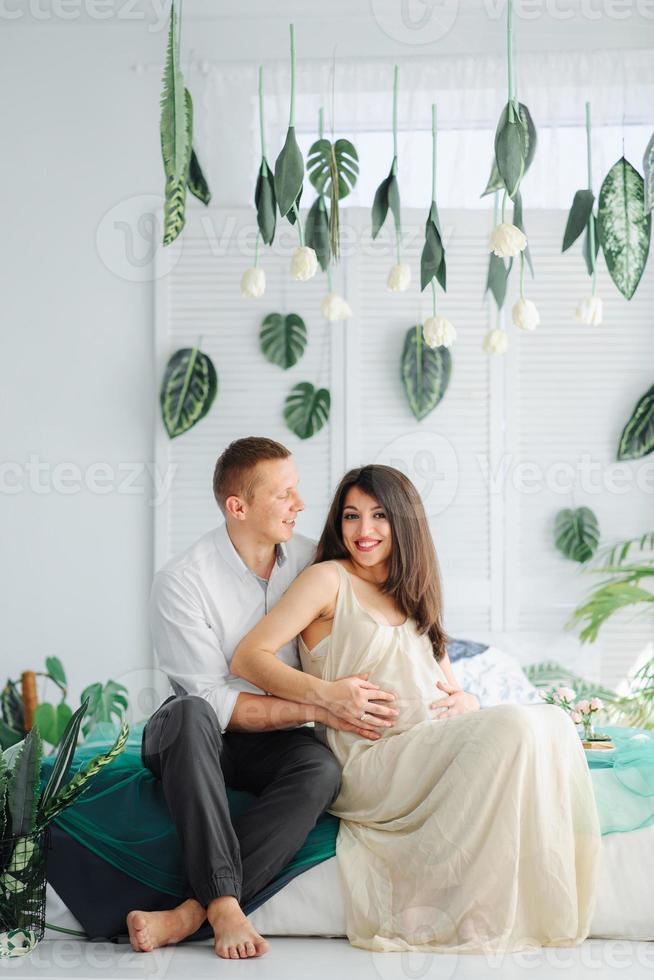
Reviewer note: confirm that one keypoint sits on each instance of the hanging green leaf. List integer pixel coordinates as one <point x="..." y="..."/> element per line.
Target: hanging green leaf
<point x="387" y="196"/>
<point x="624" y="227"/>
<point x="525" y="132"/>
<point x="188" y="390"/>
<point x="316" y="232"/>
<point x="51" y="721"/>
<point x="196" y="182"/>
<point x="586" y="248"/>
<point x="518" y="221"/>
<point x="295" y="209"/>
<point x="283" y="339"/>
<point x="175" y="192"/>
<point x="306" y="409"/>
<point x="289" y="173"/>
<point x="495" y="182"/>
<point x="266" y="203"/>
<point x="425" y="372"/>
<point x="648" y="171"/>
<point x="580" y="212"/>
<point x="576" y="533"/>
<point x="333" y="165"/>
<point x="637" y="439"/>
<point x="174" y="108"/>
<point x="432" y="260"/>
<point x="55" y="669"/>
<point x="497" y="279"/>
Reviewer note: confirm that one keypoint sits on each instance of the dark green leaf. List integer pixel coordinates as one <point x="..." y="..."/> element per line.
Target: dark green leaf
<point x="106" y="703"/>
<point x="188" y="389"/>
<point x="387" y="196"/>
<point x="283" y="339"/>
<point x="197" y="182"/>
<point x="586" y="247"/>
<point x="624" y="227"/>
<point x="296" y="209"/>
<point x="289" y="173"/>
<point x="576" y="533"/>
<point x="508" y="155"/>
<point x="9" y="736"/>
<point x="580" y="212"/>
<point x="24" y="784"/>
<point x="497" y="279"/>
<point x="64" y="758"/>
<point x="495" y="182"/>
<point x="432" y="260"/>
<point x="648" y="176"/>
<point x="316" y="232"/>
<point x="326" y="161"/>
<point x="55" y="668"/>
<point x="13" y="712"/>
<point x="637" y="439"/>
<point x="394" y="198"/>
<point x="306" y="409"/>
<point x="266" y="203"/>
<point x="425" y="372"/>
<point x="174" y="108"/>
<point x="518" y="221"/>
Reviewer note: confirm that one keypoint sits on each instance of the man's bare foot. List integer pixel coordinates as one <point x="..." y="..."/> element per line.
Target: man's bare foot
<point x="149" y="930"/>
<point x="236" y="939"/>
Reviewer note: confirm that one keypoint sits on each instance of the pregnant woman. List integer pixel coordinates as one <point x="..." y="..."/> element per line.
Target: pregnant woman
<point x="461" y="830"/>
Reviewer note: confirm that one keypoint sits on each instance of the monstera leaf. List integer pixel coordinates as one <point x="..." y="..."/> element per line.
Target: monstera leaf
<point x="432" y="260"/>
<point x="189" y="387"/>
<point x="637" y="439"/>
<point x="316" y="232"/>
<point x="425" y="373"/>
<point x="515" y="145"/>
<point x="387" y="196"/>
<point x="306" y="409"/>
<point x="333" y="166"/>
<point x="576" y="533"/>
<point x="283" y="339"/>
<point x="648" y="171"/>
<point x="580" y="212"/>
<point x="197" y="182"/>
<point x="624" y="227"/>
<point x="266" y="203"/>
<point x="289" y="174"/>
<point x="105" y="701"/>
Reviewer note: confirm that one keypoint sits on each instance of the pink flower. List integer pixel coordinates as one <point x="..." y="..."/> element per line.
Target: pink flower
<point x="596" y="704"/>
<point x="576" y="716"/>
<point x="565" y="694"/>
<point x="584" y="706"/>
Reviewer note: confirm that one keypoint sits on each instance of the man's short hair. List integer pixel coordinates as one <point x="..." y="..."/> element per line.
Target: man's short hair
<point x="235" y="471"/>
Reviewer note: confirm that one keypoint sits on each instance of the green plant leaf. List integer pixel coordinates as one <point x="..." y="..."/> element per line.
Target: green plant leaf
<point x="23" y="785"/>
<point x="291" y="216"/>
<point x="188" y="390"/>
<point x="425" y="372"/>
<point x="51" y="721"/>
<point x="105" y="702"/>
<point x="289" y="173"/>
<point x="624" y="227"/>
<point x="495" y="182"/>
<point x="604" y="603"/>
<point x="516" y="139"/>
<point x="497" y="279"/>
<point x="55" y="668"/>
<point x="283" y="339"/>
<point x="63" y="760"/>
<point x="266" y="203"/>
<point x="306" y="409"/>
<point x="13" y="712"/>
<point x="333" y="164"/>
<point x="576" y="533"/>
<point x="174" y="108"/>
<point x="432" y="260"/>
<point x="589" y="265"/>
<point x="196" y="181"/>
<point x="316" y="232"/>
<point x="637" y="439"/>
<point x="387" y="196"/>
<point x="648" y="178"/>
<point x="580" y="212"/>
<point x="175" y="190"/>
<point x="9" y="736"/>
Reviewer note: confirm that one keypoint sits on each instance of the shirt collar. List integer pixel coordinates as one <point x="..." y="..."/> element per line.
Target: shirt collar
<point x="234" y="560"/>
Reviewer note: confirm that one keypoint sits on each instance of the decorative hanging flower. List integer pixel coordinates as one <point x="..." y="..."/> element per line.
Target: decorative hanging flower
<point x="253" y="282"/>
<point x="496" y="341"/>
<point x="335" y="308"/>
<point x="507" y="241"/>
<point x="589" y="311"/>
<point x="438" y="332"/>
<point x="399" y="277"/>
<point x="525" y="315"/>
<point x="304" y="263"/>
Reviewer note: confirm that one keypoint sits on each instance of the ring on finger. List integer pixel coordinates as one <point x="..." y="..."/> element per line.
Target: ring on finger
<point x="363" y="715"/>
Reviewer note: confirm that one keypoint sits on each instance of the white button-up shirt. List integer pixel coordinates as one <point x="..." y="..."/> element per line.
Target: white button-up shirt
<point x="203" y="602"/>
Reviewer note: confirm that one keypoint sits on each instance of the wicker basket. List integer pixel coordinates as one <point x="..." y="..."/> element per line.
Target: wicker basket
<point x="22" y="891"/>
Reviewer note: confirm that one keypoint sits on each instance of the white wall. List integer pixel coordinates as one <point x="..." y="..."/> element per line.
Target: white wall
<point x="78" y="383"/>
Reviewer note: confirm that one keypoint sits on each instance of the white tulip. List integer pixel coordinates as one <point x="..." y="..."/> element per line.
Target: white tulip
<point x="399" y="278"/>
<point x="496" y="341"/>
<point x="438" y="332"/>
<point x="507" y="241"/>
<point x="334" y="308"/>
<point x="253" y="282"/>
<point x="304" y="263"/>
<point x="525" y="315"/>
<point x="590" y="311"/>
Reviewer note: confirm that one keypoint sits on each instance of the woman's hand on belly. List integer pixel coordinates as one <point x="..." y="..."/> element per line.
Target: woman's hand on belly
<point x="457" y="702"/>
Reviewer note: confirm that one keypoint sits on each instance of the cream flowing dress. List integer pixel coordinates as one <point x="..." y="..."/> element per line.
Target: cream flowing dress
<point x="475" y="833"/>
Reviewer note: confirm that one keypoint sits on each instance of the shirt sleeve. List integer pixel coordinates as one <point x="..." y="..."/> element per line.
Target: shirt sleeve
<point x="187" y="648"/>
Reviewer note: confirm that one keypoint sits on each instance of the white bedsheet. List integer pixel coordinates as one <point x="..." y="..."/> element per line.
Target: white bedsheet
<point x="312" y="904"/>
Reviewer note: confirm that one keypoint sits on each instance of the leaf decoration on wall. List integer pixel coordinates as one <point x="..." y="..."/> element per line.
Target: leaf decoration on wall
<point x="578" y="218"/>
<point x="266" y="203"/>
<point x="387" y="196"/>
<point x="197" y="182"/>
<point x="316" y="232"/>
<point x="425" y="372"/>
<point x="432" y="260"/>
<point x="648" y="171"/>
<point x="283" y="339"/>
<point x="306" y="409"/>
<point x="576" y="533"/>
<point x="624" y="227"/>
<point x="188" y="390"/>
<point x="333" y="169"/>
<point x="289" y="174"/>
<point x="176" y="135"/>
<point x="517" y="145"/>
<point x="637" y="439"/>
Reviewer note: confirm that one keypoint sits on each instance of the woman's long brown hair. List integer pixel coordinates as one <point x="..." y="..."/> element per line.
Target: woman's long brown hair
<point x="414" y="578"/>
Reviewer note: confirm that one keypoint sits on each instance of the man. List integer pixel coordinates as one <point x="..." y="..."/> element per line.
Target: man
<point x="218" y="729"/>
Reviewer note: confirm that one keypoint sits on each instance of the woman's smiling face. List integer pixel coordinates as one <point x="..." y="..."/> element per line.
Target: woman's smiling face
<point x="366" y="529"/>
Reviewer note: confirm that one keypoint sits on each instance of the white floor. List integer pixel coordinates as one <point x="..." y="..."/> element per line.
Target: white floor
<point x="306" y="959"/>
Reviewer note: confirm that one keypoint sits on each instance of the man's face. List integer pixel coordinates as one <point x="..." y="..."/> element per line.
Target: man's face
<point x="276" y="501"/>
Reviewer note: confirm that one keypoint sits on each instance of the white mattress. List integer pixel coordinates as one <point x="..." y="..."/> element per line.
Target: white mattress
<point x="312" y="904"/>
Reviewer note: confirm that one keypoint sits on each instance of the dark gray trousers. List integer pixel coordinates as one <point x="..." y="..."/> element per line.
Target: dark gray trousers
<point x="294" y="776"/>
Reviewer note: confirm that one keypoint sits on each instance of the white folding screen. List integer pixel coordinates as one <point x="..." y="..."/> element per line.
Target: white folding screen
<point x="490" y="461"/>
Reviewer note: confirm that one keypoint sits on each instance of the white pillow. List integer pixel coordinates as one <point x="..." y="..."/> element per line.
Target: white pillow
<point x="495" y="677"/>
